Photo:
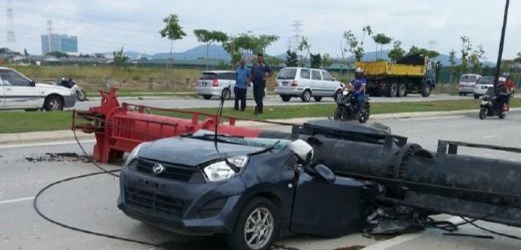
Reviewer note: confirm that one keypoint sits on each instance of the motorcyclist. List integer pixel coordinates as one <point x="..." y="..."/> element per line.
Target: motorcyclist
<point x="359" y="84"/>
<point x="502" y="94"/>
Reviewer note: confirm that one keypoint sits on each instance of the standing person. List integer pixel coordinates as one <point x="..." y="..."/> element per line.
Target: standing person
<point x="259" y="73"/>
<point x="510" y="86"/>
<point x="359" y="84"/>
<point x="242" y="76"/>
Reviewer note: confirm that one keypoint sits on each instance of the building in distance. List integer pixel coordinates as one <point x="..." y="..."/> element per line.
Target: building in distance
<point x="59" y="42"/>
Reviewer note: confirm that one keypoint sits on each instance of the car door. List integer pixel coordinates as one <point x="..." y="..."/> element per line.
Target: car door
<point x="328" y="209"/>
<point x="317" y="83"/>
<point x="19" y="91"/>
<point x="330" y="85"/>
<point x="2" y="99"/>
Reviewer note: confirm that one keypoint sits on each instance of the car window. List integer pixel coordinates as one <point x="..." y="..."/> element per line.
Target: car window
<point x="327" y="76"/>
<point x="316" y="75"/>
<point x="285" y="74"/>
<point x="305" y="73"/>
<point x="226" y="76"/>
<point x="485" y="80"/>
<point x="468" y="78"/>
<point x="207" y="76"/>
<point x="13" y="78"/>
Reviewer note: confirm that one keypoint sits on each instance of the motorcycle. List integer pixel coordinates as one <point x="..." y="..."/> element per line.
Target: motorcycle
<point x="491" y="106"/>
<point x="81" y="95"/>
<point x="345" y="110"/>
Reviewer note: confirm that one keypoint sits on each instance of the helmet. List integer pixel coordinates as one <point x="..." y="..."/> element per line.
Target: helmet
<point x="506" y="74"/>
<point x="359" y="70"/>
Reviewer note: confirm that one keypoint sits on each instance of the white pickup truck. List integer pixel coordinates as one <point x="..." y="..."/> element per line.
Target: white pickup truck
<point x="19" y="92"/>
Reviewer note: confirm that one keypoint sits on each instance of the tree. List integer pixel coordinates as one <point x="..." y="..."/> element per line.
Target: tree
<point x="119" y="57"/>
<point x="57" y="54"/>
<point x="518" y="59"/>
<point x="397" y="52"/>
<point x="354" y="47"/>
<point x="466" y="47"/>
<point x="273" y="61"/>
<point x="304" y="47"/>
<point x="172" y="31"/>
<point x="476" y="60"/>
<point x="327" y="61"/>
<point x="381" y="39"/>
<point x="366" y="30"/>
<point x="208" y="37"/>
<point x="423" y="52"/>
<point x="316" y="60"/>
<point x="242" y="44"/>
<point x="452" y="61"/>
<point x="291" y="58"/>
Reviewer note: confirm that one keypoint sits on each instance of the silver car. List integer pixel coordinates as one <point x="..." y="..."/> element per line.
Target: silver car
<point x="215" y="83"/>
<point x="306" y="83"/>
<point x="482" y="85"/>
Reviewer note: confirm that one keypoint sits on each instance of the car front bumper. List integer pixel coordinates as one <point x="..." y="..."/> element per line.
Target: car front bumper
<point x="181" y="207"/>
<point x="69" y="101"/>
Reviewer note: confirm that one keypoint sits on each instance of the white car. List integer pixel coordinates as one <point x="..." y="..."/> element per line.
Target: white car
<point x="482" y="85"/>
<point x="215" y="83"/>
<point x="306" y="83"/>
<point x="20" y="92"/>
<point x="466" y="83"/>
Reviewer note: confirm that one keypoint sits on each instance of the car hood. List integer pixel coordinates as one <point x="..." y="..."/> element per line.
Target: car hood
<point x="53" y="87"/>
<point x="192" y="152"/>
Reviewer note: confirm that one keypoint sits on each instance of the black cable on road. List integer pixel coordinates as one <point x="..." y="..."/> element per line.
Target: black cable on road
<point x="40" y="213"/>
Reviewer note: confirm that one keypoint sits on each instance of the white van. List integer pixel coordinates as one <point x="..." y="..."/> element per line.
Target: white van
<point x="466" y="83"/>
<point x="306" y="83"/>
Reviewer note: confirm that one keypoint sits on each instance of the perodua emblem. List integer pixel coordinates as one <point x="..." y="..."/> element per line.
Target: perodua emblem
<point x="158" y="169"/>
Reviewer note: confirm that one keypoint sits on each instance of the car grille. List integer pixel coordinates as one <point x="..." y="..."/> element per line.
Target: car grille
<point x="152" y="201"/>
<point x="172" y="171"/>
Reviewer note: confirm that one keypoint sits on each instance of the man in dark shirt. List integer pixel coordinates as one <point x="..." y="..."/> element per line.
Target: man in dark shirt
<point x="259" y="73"/>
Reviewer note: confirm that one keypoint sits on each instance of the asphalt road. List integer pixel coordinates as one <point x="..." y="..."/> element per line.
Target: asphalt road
<point x="90" y="203"/>
<point x="271" y="100"/>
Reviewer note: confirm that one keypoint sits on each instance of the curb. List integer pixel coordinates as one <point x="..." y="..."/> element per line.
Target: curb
<point x="66" y="135"/>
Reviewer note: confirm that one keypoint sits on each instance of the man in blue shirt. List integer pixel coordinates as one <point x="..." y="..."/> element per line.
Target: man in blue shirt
<point x="242" y="77"/>
<point x="359" y="84"/>
<point x="259" y="73"/>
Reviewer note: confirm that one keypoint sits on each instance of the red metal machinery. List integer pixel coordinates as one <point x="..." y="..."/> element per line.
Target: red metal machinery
<point x="121" y="127"/>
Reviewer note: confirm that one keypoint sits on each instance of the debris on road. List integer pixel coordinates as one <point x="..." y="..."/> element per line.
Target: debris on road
<point x="58" y="157"/>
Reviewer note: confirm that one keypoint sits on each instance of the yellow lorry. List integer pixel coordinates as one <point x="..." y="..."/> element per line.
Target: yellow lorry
<point x="411" y="74"/>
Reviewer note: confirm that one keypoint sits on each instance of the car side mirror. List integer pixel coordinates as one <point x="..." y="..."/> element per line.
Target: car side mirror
<point x="325" y="173"/>
<point x="32" y="83"/>
<point x="303" y="150"/>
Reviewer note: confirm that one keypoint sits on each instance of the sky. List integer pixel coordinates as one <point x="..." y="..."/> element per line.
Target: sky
<point x="105" y="26"/>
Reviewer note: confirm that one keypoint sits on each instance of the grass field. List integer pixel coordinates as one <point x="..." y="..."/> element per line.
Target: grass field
<point x="19" y="121"/>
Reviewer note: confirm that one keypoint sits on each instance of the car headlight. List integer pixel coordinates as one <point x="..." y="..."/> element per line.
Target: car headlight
<point x="223" y="170"/>
<point x="133" y="155"/>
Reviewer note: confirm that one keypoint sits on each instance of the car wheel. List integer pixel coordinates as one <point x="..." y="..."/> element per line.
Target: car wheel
<point x="476" y="96"/>
<point x="317" y="98"/>
<point x="426" y="92"/>
<point x="392" y="90"/>
<point x="256" y="227"/>
<point x="306" y="96"/>
<point x="460" y="94"/>
<point x="402" y="90"/>
<point x="285" y="98"/>
<point x="227" y="94"/>
<point x="207" y="97"/>
<point x="482" y="113"/>
<point x="53" y="103"/>
<point x="81" y="95"/>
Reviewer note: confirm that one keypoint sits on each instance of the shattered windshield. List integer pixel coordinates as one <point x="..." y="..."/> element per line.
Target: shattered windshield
<point x="274" y="144"/>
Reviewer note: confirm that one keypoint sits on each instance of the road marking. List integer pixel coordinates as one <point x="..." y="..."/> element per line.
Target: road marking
<point x="44" y="144"/>
<point x="16" y="200"/>
<point x="490" y="136"/>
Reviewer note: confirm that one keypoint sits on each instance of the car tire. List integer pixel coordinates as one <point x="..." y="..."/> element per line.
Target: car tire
<point x="258" y="222"/>
<point x="285" y="98"/>
<point x="476" y="96"/>
<point x="392" y="90"/>
<point x="306" y="96"/>
<point x="81" y="95"/>
<point x="227" y="94"/>
<point x="317" y="98"/>
<point x="207" y="97"/>
<point x="53" y="103"/>
<point x="426" y="91"/>
<point x="402" y="90"/>
<point x="460" y="94"/>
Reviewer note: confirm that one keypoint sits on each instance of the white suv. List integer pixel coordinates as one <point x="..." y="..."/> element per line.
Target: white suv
<point x="466" y="83"/>
<point x="481" y="86"/>
<point x="306" y="83"/>
<point x="20" y="92"/>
